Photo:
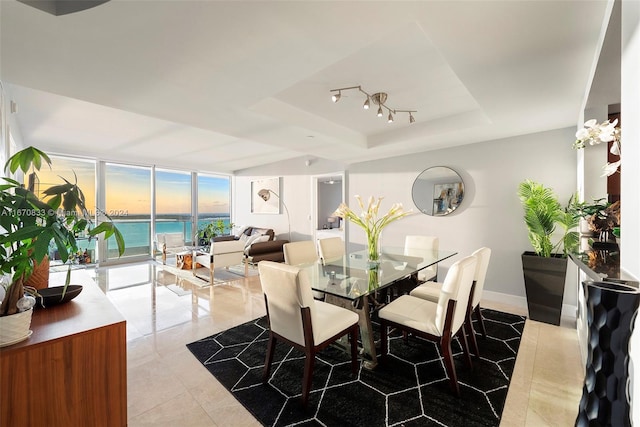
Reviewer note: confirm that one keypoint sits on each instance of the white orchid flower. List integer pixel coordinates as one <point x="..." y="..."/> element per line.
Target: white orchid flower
<point x="610" y="168"/>
<point x="582" y="134"/>
<point x="615" y="148"/>
<point x="595" y="133"/>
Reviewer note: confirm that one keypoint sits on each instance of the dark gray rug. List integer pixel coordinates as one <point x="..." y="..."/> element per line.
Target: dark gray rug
<point x="410" y="388"/>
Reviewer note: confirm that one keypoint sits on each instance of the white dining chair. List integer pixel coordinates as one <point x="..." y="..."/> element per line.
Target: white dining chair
<point x="423" y="246"/>
<point x="420" y="247"/>
<point x="331" y="249"/>
<point x="297" y="319"/>
<point x="431" y="291"/>
<point x="302" y="253"/>
<point x="436" y="321"/>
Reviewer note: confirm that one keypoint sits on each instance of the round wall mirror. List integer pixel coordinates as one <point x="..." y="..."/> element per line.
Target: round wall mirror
<point x="438" y="191"/>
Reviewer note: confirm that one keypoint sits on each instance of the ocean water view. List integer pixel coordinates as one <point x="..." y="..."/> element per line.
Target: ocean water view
<point x="137" y="231"/>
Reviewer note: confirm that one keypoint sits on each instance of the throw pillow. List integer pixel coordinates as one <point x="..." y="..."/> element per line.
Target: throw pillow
<point x="251" y="239"/>
<point x="239" y="231"/>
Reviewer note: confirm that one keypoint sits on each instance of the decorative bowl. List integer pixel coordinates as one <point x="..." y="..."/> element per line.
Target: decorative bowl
<point x="53" y="296"/>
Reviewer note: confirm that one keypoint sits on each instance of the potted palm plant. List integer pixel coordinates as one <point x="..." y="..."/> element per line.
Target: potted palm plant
<point x="28" y="224"/>
<point x="545" y="267"/>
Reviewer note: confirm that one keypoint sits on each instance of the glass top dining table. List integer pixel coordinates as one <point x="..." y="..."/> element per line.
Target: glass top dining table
<point x="351" y="282"/>
<point x="352" y="276"/>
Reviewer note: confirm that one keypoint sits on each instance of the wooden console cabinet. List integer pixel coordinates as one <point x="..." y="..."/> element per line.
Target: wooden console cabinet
<point x="72" y="371"/>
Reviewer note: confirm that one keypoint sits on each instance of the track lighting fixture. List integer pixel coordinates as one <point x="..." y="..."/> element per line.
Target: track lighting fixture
<point x="379" y="98"/>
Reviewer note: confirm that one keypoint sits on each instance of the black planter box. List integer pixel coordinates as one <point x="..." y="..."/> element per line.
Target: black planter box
<point x="544" y="280"/>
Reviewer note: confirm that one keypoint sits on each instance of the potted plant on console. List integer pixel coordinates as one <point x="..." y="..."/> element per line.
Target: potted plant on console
<point x="545" y="268"/>
<point x="27" y="226"/>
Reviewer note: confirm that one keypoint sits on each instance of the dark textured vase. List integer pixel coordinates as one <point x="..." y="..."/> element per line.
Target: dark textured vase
<point x="611" y="312"/>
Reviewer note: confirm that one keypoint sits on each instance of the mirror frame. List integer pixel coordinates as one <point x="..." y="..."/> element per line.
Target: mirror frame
<point x="440" y="179"/>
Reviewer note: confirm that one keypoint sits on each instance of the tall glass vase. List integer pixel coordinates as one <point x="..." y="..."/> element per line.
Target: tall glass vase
<point x="611" y="311"/>
<point x="373" y="248"/>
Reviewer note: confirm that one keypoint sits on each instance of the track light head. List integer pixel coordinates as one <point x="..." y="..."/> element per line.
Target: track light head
<point x="390" y="118"/>
<point x="379" y="111"/>
<point x="336" y="96"/>
<point x="367" y="103"/>
<point x="411" y="118"/>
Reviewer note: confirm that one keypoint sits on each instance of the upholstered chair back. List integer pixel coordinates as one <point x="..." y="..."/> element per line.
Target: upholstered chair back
<point x="331" y="249"/>
<point x="287" y="291"/>
<point x="483" y="254"/>
<point x="296" y="253"/>
<point x="457" y="286"/>
<point x="422" y="246"/>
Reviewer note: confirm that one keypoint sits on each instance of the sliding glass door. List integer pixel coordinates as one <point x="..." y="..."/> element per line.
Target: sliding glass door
<point x="214" y="194"/>
<point x="128" y="203"/>
<point x="82" y="172"/>
<point x="173" y="203"/>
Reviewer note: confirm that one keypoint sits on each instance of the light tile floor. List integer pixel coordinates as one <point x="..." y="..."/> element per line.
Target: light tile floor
<point x="167" y="386"/>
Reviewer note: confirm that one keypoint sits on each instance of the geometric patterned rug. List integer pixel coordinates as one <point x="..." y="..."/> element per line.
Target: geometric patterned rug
<point x="408" y="388"/>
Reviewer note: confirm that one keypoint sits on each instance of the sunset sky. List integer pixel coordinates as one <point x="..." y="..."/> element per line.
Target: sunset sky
<point x="129" y="188"/>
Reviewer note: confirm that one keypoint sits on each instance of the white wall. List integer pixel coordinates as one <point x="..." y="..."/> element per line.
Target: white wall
<point x="630" y="182"/>
<point x="490" y="214"/>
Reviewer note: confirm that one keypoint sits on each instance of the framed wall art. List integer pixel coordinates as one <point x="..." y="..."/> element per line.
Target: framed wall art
<point x="265" y="196"/>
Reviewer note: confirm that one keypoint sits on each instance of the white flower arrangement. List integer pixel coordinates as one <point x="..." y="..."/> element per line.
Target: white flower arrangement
<point x="595" y="133"/>
<point x="369" y="220"/>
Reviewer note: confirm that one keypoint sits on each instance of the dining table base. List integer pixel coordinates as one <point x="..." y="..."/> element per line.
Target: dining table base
<point x="361" y="307"/>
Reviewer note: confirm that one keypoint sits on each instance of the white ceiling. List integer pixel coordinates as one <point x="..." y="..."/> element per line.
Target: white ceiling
<point x="224" y="86"/>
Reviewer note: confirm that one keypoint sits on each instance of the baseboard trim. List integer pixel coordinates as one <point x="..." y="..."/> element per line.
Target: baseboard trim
<point x="568" y="311"/>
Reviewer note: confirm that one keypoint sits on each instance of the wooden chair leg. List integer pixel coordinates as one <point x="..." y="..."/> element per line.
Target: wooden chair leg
<point x="307" y="379"/>
<point x="480" y="321"/>
<point x="447" y="355"/>
<point x="468" y="324"/>
<point x="383" y="339"/>
<point x="462" y="336"/>
<point x="353" y="336"/>
<point x="271" y="346"/>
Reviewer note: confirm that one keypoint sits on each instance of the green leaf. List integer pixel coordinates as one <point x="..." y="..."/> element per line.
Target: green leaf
<point x="26" y="158"/>
<point x="58" y="189"/>
<point x="28" y="232"/>
<point x="41" y="246"/>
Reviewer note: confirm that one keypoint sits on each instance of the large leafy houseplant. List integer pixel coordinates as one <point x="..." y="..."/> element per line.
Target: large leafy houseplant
<point x="542" y="214"/>
<point x="28" y="224"/>
<point x="545" y="269"/>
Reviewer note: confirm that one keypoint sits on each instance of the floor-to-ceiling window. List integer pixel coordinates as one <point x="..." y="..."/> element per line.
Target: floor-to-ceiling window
<point x="173" y="203"/>
<point x="79" y="171"/>
<point x="126" y="193"/>
<point x="128" y="203"/>
<point x="214" y="195"/>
